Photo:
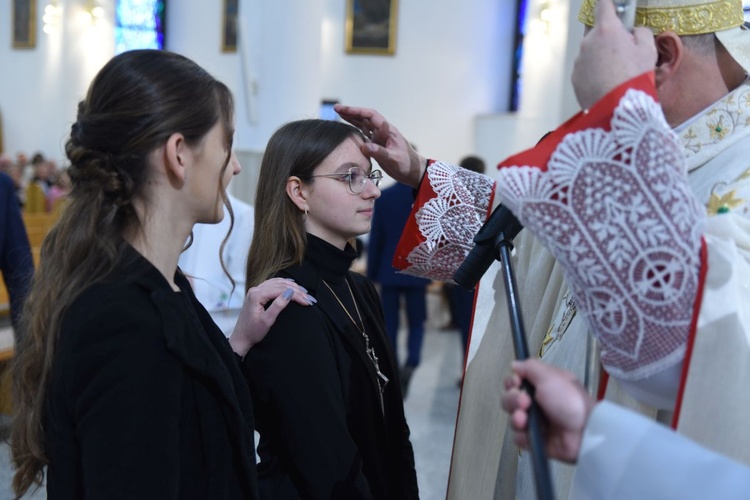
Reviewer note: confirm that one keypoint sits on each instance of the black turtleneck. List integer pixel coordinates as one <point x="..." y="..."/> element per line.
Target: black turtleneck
<point x="331" y="262"/>
<point x="323" y="430"/>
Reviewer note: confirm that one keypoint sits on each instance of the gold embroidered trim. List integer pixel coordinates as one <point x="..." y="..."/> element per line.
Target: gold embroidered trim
<point x="695" y="19"/>
<point x="720" y="204"/>
<point x="724" y="199"/>
<point x="560" y="324"/>
<point x="725" y="118"/>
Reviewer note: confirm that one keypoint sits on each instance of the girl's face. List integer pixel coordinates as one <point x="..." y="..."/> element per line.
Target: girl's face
<point x="209" y="173"/>
<point x="335" y="213"/>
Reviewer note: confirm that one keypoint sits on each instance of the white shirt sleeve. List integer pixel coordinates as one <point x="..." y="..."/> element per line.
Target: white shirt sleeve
<point x="626" y="456"/>
<point x="201" y="261"/>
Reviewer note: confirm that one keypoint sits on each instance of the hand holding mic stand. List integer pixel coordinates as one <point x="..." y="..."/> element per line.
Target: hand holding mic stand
<point x="494" y="242"/>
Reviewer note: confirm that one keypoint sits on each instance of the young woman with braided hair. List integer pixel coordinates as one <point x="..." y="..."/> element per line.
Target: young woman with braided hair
<point x="124" y="387"/>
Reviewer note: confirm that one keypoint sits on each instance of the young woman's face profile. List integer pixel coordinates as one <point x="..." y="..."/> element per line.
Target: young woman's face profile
<point x="336" y="214"/>
<point x="208" y="176"/>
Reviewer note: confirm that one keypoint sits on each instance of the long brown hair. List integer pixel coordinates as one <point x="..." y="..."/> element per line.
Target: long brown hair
<point x="135" y="103"/>
<point x="279" y="238"/>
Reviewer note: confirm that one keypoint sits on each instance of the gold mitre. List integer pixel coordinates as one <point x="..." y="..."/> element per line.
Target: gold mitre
<point x="683" y="17"/>
<point x="724" y="18"/>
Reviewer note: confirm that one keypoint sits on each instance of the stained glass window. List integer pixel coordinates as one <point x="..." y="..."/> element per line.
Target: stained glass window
<point x="517" y="71"/>
<point x="139" y="24"/>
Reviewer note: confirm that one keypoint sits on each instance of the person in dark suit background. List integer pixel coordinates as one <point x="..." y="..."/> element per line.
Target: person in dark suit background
<point x="15" y="253"/>
<point x="391" y="212"/>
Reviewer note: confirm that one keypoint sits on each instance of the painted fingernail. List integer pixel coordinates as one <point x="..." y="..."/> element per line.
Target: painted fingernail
<point x="287" y="294"/>
<point x="311" y="299"/>
<point x="302" y="288"/>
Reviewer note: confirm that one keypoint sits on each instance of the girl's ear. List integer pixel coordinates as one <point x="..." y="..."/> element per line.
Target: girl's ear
<point x="175" y="157"/>
<point x="297" y="192"/>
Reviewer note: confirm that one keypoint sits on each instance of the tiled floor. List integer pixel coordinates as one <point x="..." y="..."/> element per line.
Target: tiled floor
<point x="430" y="410"/>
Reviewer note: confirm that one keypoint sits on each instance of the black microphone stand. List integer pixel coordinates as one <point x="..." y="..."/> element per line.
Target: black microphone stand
<point x="503" y="247"/>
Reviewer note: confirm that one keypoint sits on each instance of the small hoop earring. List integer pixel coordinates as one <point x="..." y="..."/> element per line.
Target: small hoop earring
<point x="304" y="216"/>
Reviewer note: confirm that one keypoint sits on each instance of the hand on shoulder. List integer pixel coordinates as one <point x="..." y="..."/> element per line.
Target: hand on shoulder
<point x="257" y="316"/>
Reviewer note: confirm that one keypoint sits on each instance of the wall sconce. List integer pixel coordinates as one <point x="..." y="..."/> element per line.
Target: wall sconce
<point x="93" y="11"/>
<point x="546" y="14"/>
<point x="51" y="17"/>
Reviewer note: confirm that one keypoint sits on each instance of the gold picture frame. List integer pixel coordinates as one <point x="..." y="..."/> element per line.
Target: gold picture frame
<point x="371" y="26"/>
<point x="229" y="33"/>
<point x="24" y="24"/>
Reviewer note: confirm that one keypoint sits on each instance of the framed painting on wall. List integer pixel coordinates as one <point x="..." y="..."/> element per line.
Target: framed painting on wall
<point x="24" y="24"/>
<point x="371" y="26"/>
<point x="229" y="26"/>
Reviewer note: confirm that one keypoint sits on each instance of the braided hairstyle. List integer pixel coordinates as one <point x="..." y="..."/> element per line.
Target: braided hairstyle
<point x="135" y="103"/>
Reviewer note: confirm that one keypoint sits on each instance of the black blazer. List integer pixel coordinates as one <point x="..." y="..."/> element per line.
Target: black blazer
<point x="146" y="398"/>
<point x="323" y="433"/>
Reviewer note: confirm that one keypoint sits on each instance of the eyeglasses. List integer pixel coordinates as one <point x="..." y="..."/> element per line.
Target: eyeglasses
<point x="357" y="178"/>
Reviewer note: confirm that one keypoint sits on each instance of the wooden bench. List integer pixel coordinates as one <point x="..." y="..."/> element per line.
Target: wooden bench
<point x="4" y="297"/>
<point x="36" y="200"/>
<point x="7" y="350"/>
<point x="38" y="225"/>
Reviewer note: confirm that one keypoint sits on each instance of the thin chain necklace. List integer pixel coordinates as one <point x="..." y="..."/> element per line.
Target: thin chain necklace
<point x="382" y="379"/>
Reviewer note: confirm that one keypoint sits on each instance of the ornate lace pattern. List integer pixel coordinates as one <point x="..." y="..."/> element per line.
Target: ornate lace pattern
<point x="449" y="222"/>
<point x="616" y="210"/>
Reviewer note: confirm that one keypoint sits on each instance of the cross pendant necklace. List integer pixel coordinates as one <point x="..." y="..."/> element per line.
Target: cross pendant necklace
<point x="382" y="379"/>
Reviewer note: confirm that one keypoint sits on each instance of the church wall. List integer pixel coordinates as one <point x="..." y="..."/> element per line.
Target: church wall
<point x="40" y="87"/>
<point x="547" y="97"/>
<point x="448" y="77"/>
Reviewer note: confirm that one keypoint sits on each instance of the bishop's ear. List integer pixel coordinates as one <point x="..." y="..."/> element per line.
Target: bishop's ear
<point x="670" y="51"/>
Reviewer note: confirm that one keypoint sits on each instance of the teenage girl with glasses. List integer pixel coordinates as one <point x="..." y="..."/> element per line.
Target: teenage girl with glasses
<point x="327" y="400"/>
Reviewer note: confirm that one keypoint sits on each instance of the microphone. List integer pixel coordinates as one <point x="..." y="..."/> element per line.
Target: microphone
<point x="502" y="225"/>
<point x="493" y="242"/>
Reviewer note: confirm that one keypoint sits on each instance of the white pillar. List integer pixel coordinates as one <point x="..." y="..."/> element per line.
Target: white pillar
<point x="284" y="61"/>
